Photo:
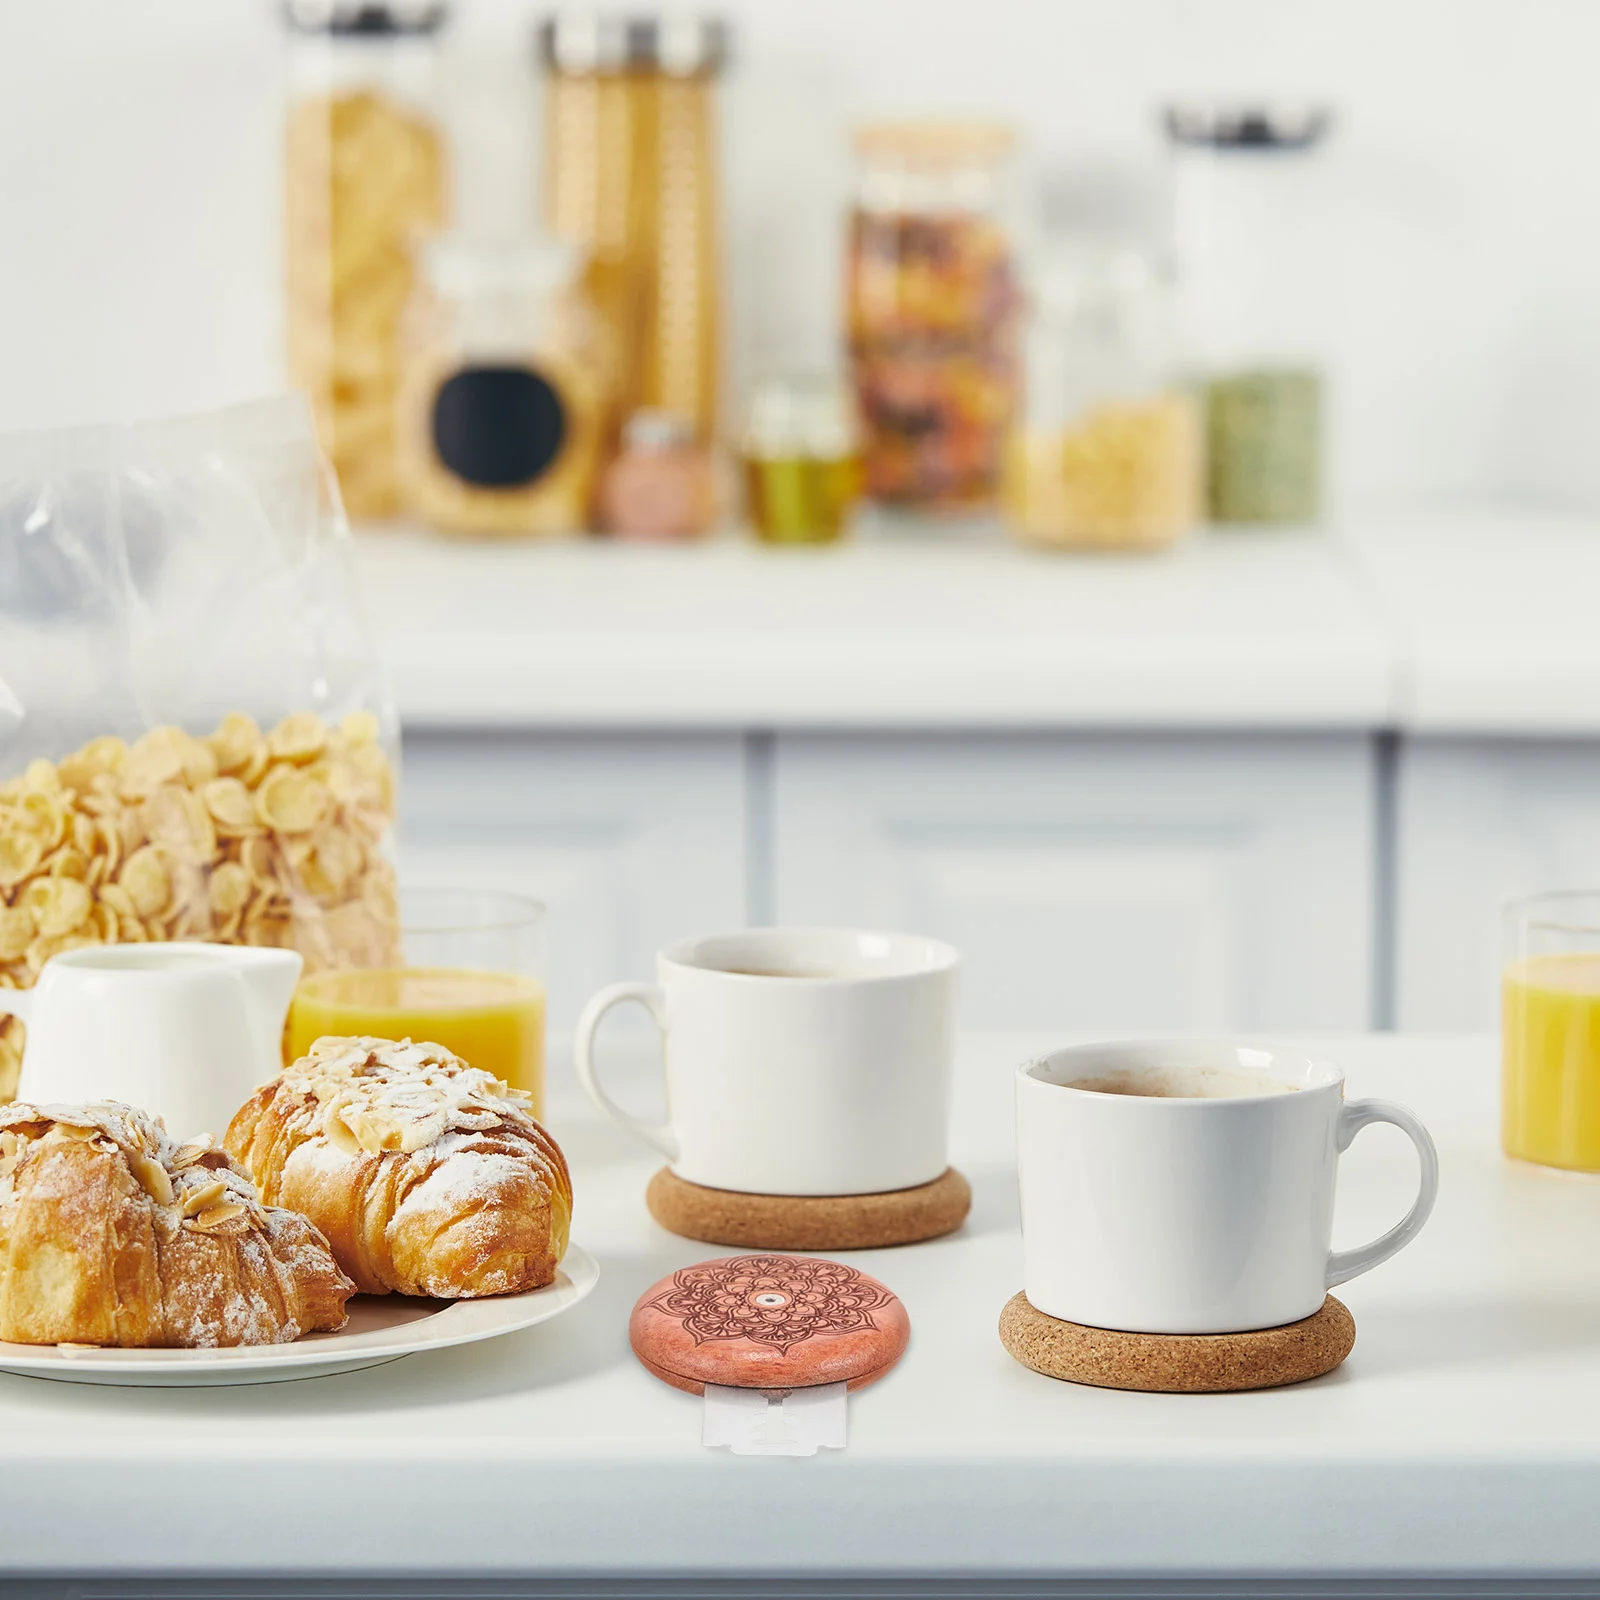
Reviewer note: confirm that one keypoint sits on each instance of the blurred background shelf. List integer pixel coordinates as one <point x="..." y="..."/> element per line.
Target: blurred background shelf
<point x="1267" y="782"/>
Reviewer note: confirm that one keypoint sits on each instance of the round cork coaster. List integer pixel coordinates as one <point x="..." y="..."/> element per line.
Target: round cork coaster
<point x="1178" y="1363"/>
<point x="809" y="1222"/>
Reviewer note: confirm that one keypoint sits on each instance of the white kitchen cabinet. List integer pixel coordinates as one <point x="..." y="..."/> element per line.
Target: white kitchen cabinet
<point x="1480" y="823"/>
<point x="1138" y="881"/>
<point x="630" y="841"/>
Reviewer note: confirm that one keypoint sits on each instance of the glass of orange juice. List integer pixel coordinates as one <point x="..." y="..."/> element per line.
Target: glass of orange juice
<point x="473" y="981"/>
<point x="1550" y="1023"/>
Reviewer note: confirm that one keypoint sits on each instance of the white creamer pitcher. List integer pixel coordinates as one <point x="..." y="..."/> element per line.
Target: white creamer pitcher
<point x="186" y="1031"/>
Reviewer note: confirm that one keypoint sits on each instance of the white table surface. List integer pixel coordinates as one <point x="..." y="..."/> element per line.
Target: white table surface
<point x="1462" y="1436"/>
<point x="1471" y="621"/>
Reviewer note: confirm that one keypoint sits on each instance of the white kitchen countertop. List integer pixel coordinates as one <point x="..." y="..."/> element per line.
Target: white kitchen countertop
<point x="947" y="629"/>
<point x="1462" y="1436"/>
<point x="1475" y="622"/>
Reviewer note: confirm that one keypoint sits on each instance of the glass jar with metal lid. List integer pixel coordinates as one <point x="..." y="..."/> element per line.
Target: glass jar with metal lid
<point x="365" y="183"/>
<point x="1256" y="284"/>
<point x="632" y="177"/>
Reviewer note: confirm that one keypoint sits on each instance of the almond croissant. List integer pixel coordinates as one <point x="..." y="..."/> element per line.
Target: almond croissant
<point x="428" y="1176"/>
<point x="111" y="1234"/>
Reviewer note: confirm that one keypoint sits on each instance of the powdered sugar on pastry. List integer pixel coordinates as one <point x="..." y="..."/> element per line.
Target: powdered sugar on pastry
<point x="379" y="1094"/>
<point x="111" y="1233"/>
<point x="428" y="1176"/>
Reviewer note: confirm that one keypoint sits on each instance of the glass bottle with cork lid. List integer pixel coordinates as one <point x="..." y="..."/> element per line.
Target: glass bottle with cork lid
<point x="1105" y="450"/>
<point x="1258" y="290"/>
<point x="365" y="182"/>
<point x="932" y="312"/>
<point x="505" y="382"/>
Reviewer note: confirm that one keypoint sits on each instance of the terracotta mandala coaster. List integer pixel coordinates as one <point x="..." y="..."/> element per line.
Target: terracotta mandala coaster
<point x="809" y="1222"/>
<point x="770" y="1322"/>
<point x="1174" y="1363"/>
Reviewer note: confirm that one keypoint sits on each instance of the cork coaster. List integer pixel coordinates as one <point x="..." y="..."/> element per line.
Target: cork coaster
<point x="809" y="1222"/>
<point x="1178" y="1363"/>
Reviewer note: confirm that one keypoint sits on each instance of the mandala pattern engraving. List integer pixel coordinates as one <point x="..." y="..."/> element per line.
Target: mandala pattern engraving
<point x="779" y="1301"/>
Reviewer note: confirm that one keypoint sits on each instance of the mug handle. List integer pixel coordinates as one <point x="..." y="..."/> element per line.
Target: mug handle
<point x="16" y="1003"/>
<point x="1353" y="1117"/>
<point x="654" y="999"/>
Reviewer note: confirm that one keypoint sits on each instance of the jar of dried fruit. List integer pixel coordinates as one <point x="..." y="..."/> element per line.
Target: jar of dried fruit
<point x="1105" y="450"/>
<point x="932" y="313"/>
<point x="365" y="182"/>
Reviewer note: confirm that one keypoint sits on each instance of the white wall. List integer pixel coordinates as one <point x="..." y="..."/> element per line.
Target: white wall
<point x="139" y="181"/>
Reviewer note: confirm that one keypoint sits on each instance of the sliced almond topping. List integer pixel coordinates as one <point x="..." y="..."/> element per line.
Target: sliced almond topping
<point x="203" y="1198"/>
<point x="73" y="1133"/>
<point x="152" y="1177"/>
<point x="216" y="1215"/>
<point x="190" y="1153"/>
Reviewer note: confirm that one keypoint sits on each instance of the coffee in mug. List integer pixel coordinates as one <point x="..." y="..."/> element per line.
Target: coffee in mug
<point x="1187" y="1186"/>
<point x="799" y="1061"/>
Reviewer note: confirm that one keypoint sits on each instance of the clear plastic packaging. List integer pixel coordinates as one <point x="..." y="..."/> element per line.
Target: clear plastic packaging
<point x="197" y="737"/>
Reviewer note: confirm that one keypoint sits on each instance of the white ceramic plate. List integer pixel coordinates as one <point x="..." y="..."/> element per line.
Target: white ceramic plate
<point x="381" y="1328"/>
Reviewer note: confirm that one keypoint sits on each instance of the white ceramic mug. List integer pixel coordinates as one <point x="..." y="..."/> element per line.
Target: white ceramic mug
<point x="184" y="1031"/>
<point x="801" y="1061"/>
<point x="1200" y="1198"/>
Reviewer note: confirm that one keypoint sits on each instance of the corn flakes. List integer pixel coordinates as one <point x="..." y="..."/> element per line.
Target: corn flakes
<point x="246" y="837"/>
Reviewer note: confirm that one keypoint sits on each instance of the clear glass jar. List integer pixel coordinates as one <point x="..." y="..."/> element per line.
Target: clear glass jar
<point x="1105" y="449"/>
<point x="632" y="177"/>
<point x="1256" y="283"/>
<point x="365" y="182"/>
<point x="932" y="313"/>
<point x="501" y="410"/>
<point x="802" y="460"/>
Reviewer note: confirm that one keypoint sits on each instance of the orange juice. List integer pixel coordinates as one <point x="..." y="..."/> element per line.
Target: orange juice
<point x="492" y="1020"/>
<point x="1551" y="1083"/>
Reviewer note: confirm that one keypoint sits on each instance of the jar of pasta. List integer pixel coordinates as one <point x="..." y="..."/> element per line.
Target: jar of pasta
<point x="365" y="183"/>
<point x="504" y="383"/>
<point x="932" y="313"/>
<point x="1104" y="452"/>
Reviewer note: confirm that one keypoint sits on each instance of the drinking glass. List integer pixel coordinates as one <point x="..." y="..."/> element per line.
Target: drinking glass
<point x="1550" y="1016"/>
<point x="473" y="980"/>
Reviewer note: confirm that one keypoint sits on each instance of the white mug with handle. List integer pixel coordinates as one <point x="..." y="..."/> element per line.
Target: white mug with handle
<point x="1186" y="1186"/>
<point x="799" y="1061"/>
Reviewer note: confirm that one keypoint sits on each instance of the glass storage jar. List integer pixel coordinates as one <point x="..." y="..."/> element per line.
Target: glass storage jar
<point x="632" y="177"/>
<point x="1104" y="452"/>
<point x="1256" y="282"/>
<point x="932" y="313"/>
<point x="505" y="377"/>
<point x="802" y="461"/>
<point x="365" y="181"/>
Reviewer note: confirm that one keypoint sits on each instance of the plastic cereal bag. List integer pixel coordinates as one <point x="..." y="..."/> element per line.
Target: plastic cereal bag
<point x="197" y="738"/>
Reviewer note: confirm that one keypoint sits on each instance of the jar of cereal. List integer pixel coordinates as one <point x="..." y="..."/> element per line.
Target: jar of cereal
<point x="1105" y="449"/>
